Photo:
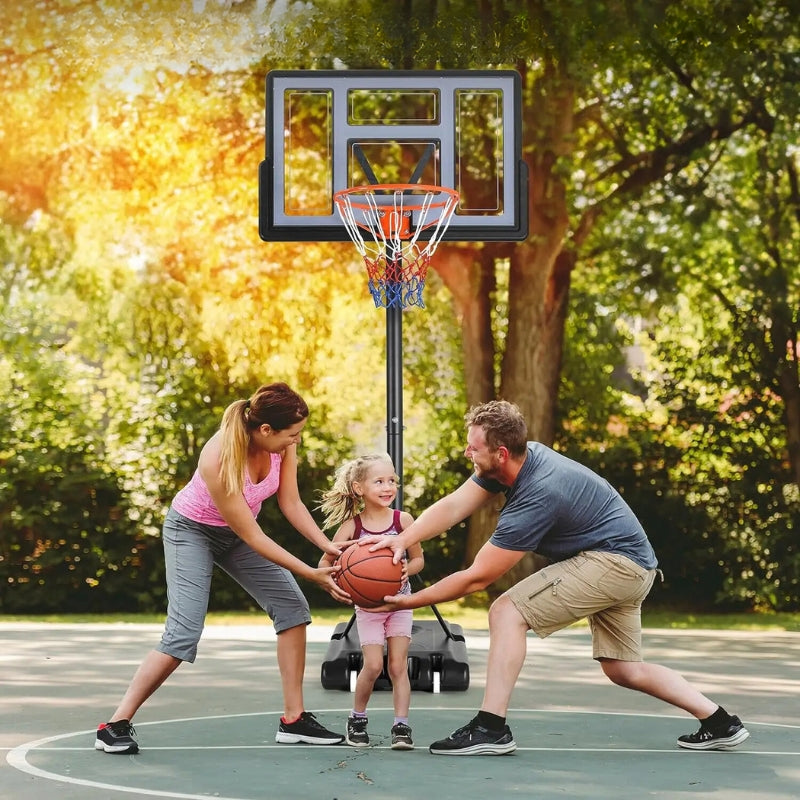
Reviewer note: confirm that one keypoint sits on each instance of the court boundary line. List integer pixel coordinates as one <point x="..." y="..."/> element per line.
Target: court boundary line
<point x="16" y="757"/>
<point x="342" y="746"/>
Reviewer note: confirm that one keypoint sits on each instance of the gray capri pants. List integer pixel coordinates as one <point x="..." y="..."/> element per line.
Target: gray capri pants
<point x="190" y="551"/>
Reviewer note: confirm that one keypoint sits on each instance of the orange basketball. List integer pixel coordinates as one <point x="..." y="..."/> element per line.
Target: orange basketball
<point x="368" y="576"/>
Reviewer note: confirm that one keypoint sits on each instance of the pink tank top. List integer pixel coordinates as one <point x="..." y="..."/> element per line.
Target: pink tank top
<point x="394" y="528"/>
<point x="360" y="530"/>
<point x="194" y="501"/>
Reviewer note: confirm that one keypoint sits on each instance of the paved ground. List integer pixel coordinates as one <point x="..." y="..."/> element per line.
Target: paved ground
<point x="209" y="732"/>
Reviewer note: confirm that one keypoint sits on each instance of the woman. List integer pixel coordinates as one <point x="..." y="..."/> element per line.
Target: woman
<point x="212" y="520"/>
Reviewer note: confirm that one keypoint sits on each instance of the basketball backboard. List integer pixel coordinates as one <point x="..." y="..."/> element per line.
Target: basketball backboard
<point x="329" y="130"/>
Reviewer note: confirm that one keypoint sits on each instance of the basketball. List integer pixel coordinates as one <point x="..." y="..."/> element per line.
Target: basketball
<point x="367" y="577"/>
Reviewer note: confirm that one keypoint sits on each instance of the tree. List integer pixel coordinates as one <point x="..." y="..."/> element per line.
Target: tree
<point x="618" y="98"/>
<point x="142" y="176"/>
<point x="137" y="184"/>
<point x="719" y="303"/>
<point x="66" y="538"/>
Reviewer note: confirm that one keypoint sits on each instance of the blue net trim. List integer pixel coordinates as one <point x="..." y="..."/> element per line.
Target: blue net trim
<point x="397" y="294"/>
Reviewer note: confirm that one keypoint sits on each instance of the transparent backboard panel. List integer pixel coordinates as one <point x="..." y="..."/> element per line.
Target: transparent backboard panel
<point x="395" y="107"/>
<point x="332" y="130"/>
<point x="308" y="154"/>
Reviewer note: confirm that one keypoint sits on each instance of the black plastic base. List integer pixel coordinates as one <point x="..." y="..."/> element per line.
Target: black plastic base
<point x="437" y="658"/>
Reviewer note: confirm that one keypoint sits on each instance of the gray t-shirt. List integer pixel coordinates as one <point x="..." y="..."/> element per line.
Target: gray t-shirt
<point x="558" y="508"/>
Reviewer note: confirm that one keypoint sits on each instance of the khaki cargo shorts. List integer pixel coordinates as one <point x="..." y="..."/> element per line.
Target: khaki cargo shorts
<point x="606" y="588"/>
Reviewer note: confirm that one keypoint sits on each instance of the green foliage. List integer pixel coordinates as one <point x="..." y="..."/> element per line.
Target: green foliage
<point x="435" y="462"/>
<point x="66" y="538"/>
<point x="137" y="302"/>
<point x="732" y="469"/>
<point x="457" y="34"/>
<point x="706" y="268"/>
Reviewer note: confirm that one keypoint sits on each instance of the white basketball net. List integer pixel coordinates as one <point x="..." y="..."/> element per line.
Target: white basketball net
<point x="396" y="258"/>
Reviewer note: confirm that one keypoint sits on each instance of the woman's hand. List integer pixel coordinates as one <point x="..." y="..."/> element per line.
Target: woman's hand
<point x="332" y="550"/>
<point x="325" y="577"/>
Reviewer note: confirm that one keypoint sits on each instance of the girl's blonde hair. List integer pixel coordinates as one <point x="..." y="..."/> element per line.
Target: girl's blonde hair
<point x="274" y="404"/>
<point x="341" y="502"/>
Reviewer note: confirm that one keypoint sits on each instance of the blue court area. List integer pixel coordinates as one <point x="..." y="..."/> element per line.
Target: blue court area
<point x="209" y="732"/>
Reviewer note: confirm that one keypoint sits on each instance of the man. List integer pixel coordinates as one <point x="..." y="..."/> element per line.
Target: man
<point x="601" y="567"/>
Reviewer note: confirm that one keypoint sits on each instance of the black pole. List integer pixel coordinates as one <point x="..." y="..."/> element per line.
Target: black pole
<point x="394" y="392"/>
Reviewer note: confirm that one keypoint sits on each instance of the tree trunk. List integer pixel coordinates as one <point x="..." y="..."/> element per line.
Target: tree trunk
<point x="539" y="279"/>
<point x="790" y="394"/>
<point x="468" y="272"/>
<point x="538" y="295"/>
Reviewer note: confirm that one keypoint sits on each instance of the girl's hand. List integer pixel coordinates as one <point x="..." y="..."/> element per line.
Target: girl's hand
<point x="335" y="549"/>
<point x="404" y="581"/>
<point x="332" y="550"/>
<point x="325" y="577"/>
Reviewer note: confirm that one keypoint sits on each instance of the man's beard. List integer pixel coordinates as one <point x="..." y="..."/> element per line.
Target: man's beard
<point x="485" y="472"/>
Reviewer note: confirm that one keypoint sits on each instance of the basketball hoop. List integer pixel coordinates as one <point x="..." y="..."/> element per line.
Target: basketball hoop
<point x="395" y="215"/>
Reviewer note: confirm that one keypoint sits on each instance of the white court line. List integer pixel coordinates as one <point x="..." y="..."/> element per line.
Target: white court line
<point x="609" y="750"/>
<point x="17" y="756"/>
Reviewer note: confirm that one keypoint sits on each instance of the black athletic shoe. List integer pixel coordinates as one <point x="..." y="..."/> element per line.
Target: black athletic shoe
<point x="116" y="737"/>
<point x="306" y="729"/>
<point x="475" y="740"/>
<point x="401" y="737"/>
<point x="719" y="739"/>
<point x="357" y="735"/>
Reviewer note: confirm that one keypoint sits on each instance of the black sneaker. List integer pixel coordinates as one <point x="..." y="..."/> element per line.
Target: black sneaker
<point x="306" y="729"/>
<point x="720" y="739"/>
<point x="475" y="740"/>
<point x="357" y="735"/>
<point x="401" y="737"/>
<point x="116" y="737"/>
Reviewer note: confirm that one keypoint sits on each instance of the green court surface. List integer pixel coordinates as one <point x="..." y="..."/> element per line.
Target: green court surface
<point x="209" y="732"/>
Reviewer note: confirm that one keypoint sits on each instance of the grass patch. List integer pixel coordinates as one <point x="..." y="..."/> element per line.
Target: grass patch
<point x="469" y="617"/>
<point x="742" y="621"/>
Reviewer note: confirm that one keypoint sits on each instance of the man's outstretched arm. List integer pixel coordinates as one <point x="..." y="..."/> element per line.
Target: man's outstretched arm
<point x="436" y="519"/>
<point x="490" y="563"/>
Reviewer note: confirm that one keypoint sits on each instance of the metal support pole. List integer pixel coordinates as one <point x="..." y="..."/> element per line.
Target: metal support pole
<point x="394" y="393"/>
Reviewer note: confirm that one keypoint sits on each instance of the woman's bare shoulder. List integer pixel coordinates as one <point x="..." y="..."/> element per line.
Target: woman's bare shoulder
<point x="209" y="454"/>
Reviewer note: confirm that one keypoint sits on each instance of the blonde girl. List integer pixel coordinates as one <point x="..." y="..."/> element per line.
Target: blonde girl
<point x="360" y="503"/>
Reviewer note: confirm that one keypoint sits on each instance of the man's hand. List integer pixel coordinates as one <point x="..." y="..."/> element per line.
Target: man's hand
<point x="395" y="602"/>
<point x="394" y="542"/>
